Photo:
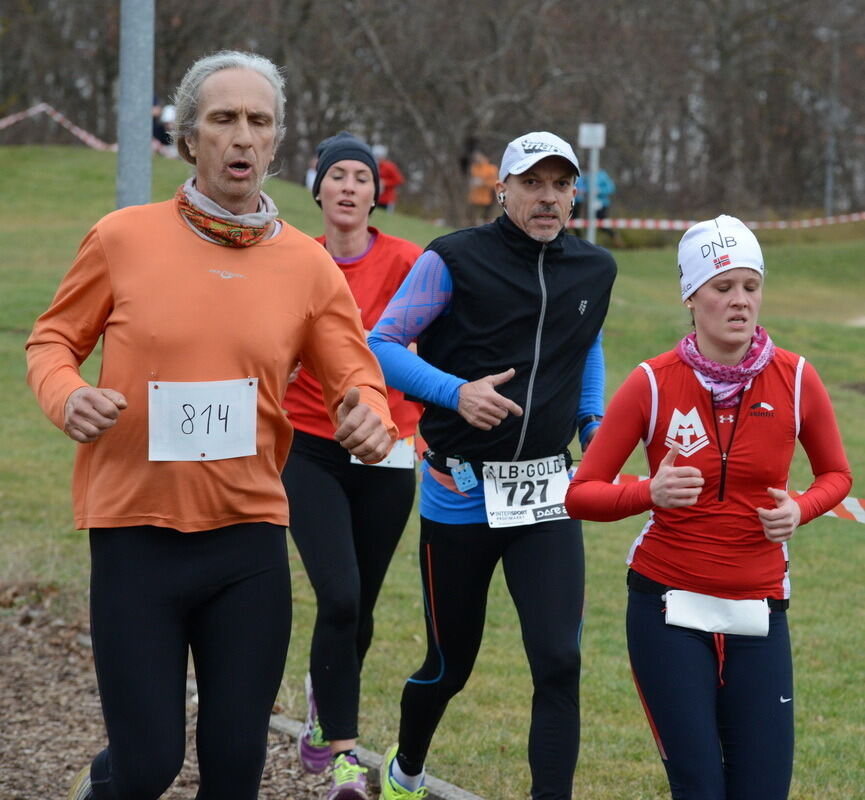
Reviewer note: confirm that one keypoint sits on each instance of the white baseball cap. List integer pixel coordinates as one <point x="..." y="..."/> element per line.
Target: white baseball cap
<point x="714" y="246"/>
<point x="525" y="151"/>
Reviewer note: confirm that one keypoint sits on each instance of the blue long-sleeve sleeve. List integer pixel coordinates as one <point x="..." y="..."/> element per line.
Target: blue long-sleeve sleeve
<point x="424" y="295"/>
<point x="591" y="407"/>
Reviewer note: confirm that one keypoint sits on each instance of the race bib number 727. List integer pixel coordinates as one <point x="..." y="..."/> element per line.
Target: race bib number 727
<point x="525" y="492"/>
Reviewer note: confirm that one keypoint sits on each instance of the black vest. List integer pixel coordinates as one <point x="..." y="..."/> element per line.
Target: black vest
<point x="516" y="302"/>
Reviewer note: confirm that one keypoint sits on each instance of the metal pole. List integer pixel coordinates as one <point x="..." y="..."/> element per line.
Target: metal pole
<point x="134" y="123"/>
<point x="594" y="163"/>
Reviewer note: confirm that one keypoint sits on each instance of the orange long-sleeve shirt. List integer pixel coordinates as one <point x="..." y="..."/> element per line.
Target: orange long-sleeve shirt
<point x="171" y="306"/>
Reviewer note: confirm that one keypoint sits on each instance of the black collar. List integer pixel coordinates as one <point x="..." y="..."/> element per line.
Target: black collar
<point x="519" y="240"/>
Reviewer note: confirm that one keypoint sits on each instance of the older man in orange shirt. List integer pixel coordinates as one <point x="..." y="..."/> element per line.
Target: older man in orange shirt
<point x="204" y="305"/>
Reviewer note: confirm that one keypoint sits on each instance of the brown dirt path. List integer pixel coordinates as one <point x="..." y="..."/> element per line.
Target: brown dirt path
<point x="50" y="721"/>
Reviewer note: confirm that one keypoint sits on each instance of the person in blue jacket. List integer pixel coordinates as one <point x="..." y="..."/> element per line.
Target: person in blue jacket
<point x="606" y="188"/>
<point x="507" y="318"/>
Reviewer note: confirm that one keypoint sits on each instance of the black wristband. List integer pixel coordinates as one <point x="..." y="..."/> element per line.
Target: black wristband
<point x="583" y="421"/>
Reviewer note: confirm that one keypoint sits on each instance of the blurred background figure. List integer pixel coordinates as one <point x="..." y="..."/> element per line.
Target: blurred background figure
<point x="309" y="178"/>
<point x="606" y="188"/>
<point x="160" y="135"/>
<point x="482" y="188"/>
<point x="390" y="176"/>
<point x="166" y="119"/>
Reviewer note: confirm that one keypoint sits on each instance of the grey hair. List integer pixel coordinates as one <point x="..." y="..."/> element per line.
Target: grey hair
<point x="188" y="94"/>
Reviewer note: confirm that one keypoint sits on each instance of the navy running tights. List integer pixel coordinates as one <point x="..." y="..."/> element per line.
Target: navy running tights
<point x="156" y="594"/>
<point x="720" y="706"/>
<point x="346" y="521"/>
<point x="544" y="570"/>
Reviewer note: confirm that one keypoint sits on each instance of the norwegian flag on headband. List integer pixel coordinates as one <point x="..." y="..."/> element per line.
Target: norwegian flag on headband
<point x="722" y="261"/>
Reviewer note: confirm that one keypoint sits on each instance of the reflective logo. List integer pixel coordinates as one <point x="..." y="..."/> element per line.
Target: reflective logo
<point x="687" y="431"/>
<point x="225" y="274"/>
<point x="785" y="699"/>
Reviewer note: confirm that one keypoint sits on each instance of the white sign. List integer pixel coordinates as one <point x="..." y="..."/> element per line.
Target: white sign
<point x="592" y="135"/>
<point x="202" y="420"/>
<point x="525" y="492"/>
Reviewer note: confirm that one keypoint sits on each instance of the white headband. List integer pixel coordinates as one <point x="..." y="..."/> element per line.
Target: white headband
<point x="715" y="246"/>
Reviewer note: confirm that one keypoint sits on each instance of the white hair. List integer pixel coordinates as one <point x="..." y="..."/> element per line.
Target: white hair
<point x="188" y="94"/>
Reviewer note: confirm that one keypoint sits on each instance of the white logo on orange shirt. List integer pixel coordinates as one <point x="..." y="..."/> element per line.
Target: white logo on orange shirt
<point x="225" y="274"/>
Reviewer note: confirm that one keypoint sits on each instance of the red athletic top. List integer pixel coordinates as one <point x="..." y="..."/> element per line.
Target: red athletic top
<point x="373" y="279"/>
<point x="716" y="546"/>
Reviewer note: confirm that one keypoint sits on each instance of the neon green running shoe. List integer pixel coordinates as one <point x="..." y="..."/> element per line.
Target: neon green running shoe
<point x="81" y="788"/>
<point x="393" y="790"/>
<point x="349" y="779"/>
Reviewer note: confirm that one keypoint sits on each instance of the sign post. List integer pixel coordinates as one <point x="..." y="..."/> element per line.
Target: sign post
<point x="592" y="137"/>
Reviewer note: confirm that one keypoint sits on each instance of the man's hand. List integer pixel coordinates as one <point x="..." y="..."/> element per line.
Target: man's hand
<point x="780" y="523"/>
<point x="361" y="430"/>
<point x="91" y="411"/>
<point x="675" y="487"/>
<point x="482" y="406"/>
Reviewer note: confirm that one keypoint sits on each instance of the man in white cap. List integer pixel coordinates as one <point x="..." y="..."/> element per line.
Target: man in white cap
<point x="507" y="318"/>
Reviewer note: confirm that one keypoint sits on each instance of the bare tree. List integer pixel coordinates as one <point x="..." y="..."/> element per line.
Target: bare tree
<point x="742" y="105"/>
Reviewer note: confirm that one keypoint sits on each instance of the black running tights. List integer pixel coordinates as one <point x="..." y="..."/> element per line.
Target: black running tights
<point x="346" y="520"/>
<point x="544" y="569"/>
<point x="156" y="594"/>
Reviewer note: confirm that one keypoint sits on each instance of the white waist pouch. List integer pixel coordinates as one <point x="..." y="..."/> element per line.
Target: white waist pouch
<point x="703" y="612"/>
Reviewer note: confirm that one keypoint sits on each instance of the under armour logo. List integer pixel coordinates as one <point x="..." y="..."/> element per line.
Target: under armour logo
<point x="726" y="418"/>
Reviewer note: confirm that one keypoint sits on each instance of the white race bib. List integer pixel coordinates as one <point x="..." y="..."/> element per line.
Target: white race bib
<point x="401" y="455"/>
<point x="202" y="420"/>
<point x="525" y="492"/>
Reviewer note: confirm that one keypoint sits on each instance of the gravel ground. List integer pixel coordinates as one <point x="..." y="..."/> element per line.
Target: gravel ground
<point x="50" y="721"/>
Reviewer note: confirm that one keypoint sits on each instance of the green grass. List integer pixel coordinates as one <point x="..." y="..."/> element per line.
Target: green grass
<point x="48" y="199"/>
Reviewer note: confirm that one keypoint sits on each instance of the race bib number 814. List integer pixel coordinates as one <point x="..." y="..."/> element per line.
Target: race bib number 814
<point x="201" y="420"/>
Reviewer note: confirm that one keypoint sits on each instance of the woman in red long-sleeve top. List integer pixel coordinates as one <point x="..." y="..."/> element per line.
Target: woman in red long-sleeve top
<point x="346" y="518"/>
<point x="719" y="417"/>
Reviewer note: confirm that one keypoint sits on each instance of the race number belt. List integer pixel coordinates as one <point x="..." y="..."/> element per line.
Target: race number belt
<point x="525" y="492"/>
<point x="401" y="455"/>
<point x="201" y="420"/>
<point x="705" y="612"/>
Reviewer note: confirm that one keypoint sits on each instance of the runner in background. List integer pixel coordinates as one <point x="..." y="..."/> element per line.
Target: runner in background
<point x="483" y="176"/>
<point x="346" y="517"/>
<point x="719" y="417"/>
<point x="391" y="178"/>
<point x="507" y="318"/>
<point x="181" y="444"/>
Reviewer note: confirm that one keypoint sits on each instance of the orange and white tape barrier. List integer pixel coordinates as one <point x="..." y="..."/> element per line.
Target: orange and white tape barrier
<point x="851" y="508"/>
<point x="43" y="108"/>
<point x="684" y="224"/>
